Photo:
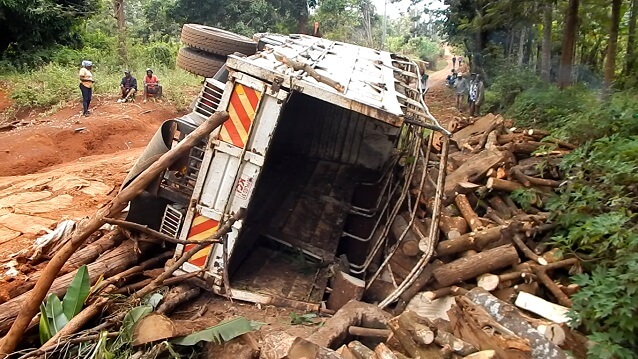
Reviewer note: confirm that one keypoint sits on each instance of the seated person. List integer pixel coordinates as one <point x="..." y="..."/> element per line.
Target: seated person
<point x="151" y="85"/>
<point x="451" y="78"/>
<point x="128" y="86"/>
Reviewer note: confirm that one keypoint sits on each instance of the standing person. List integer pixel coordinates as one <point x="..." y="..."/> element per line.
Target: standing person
<point x="128" y="86"/>
<point x="460" y="61"/>
<point x="477" y="94"/>
<point x="460" y="90"/>
<point x="151" y="85"/>
<point x="86" y="85"/>
<point x="454" y="62"/>
<point x="425" y="85"/>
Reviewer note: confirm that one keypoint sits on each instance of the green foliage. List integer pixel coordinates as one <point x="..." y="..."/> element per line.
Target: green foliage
<point x="220" y="333"/>
<point x="77" y="293"/>
<point x="419" y="47"/>
<point x="607" y="305"/>
<point x="525" y="198"/>
<point x="55" y="314"/>
<point x="505" y="86"/>
<point x="302" y="319"/>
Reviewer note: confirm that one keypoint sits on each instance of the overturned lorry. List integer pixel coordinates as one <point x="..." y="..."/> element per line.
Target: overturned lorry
<point x="322" y="145"/>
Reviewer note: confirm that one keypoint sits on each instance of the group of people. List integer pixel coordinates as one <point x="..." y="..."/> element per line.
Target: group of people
<point x="128" y="86"/>
<point x="472" y="89"/>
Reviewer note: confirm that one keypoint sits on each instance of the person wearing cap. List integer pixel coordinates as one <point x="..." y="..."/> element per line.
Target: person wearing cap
<point x="151" y="85"/>
<point x="128" y="86"/>
<point x="460" y="89"/>
<point x="86" y="85"/>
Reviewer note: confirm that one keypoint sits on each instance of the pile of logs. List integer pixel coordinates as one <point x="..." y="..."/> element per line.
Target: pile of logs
<point x="494" y="235"/>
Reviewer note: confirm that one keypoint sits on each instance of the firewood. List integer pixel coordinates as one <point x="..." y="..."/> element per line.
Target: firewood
<point x="438" y="293"/>
<point x="493" y="215"/>
<point x="355" y="313"/>
<point x="502" y="185"/>
<point x="368" y="332"/>
<point x="360" y="351"/>
<point x="513" y="137"/>
<point x="488" y="281"/>
<point x="472" y="240"/>
<point x="86" y="227"/>
<point x="116" y="261"/>
<point x="151" y="328"/>
<point x="570" y="289"/>
<point x="479" y="127"/>
<point x="401" y="327"/>
<point x="485" y="354"/>
<point x="443" y="337"/>
<point x="131" y="288"/>
<point x="344" y="289"/>
<point x="474" y="169"/>
<point x="506" y="315"/>
<point x="543" y="182"/>
<point x="540" y="134"/>
<point x="302" y="348"/>
<point x="410" y="242"/>
<point x="468" y="213"/>
<point x="421" y="281"/>
<point x="517" y="238"/>
<point x="176" y="296"/>
<point x="383" y="352"/>
<point x="523" y="148"/>
<point x="562" y="298"/>
<point x="567" y="145"/>
<point x="500" y="207"/>
<point x="471" y="267"/>
<point x="520" y="177"/>
<point x="498" y="122"/>
<point x="453" y="227"/>
<point x="576" y="343"/>
<point x="472" y="323"/>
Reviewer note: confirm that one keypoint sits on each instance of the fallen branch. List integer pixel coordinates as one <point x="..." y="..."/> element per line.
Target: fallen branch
<point x="152" y="232"/>
<point x="78" y="340"/>
<point x="141" y="284"/>
<point x="296" y="66"/>
<point x="86" y="227"/>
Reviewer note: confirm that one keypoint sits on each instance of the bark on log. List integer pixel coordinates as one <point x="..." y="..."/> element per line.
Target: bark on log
<point x="85" y="228"/>
<point x="368" y="332"/>
<point x="503" y="185"/>
<point x="506" y="315"/>
<point x="302" y="349"/>
<point x="471" y="267"/>
<point x="83" y="256"/>
<point x="401" y="328"/>
<point x="110" y="264"/>
<point x="517" y="238"/>
<point x="468" y="213"/>
<point x="410" y="243"/>
<point x="335" y="329"/>
<point x="130" y="289"/>
<point x="360" y="351"/>
<point x="474" y="325"/>
<point x="500" y="207"/>
<point x="383" y="352"/>
<point x="562" y="298"/>
<point x="474" y="169"/>
<point x="520" y="177"/>
<point x="176" y="296"/>
<point x="498" y="122"/>
<point x="478" y="127"/>
<point x="344" y="289"/>
<point x="468" y="241"/>
<point x="421" y="281"/>
<point x="453" y="227"/>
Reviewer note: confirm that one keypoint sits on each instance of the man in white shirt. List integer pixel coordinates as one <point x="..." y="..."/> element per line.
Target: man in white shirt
<point x="86" y="85"/>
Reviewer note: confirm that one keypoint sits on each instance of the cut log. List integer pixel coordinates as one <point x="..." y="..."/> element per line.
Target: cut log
<point x="368" y="332"/>
<point x="553" y="332"/>
<point x="541" y="307"/>
<point x="360" y="351"/>
<point x="176" y="296"/>
<point x="152" y="328"/>
<point x="524" y="148"/>
<point x="503" y="185"/>
<point x="474" y="169"/>
<point x="562" y="298"/>
<point x="344" y="289"/>
<point x="517" y="238"/>
<point x="453" y="227"/>
<point x="410" y="242"/>
<point x="576" y="343"/>
<point x="383" y="352"/>
<point x="471" y="267"/>
<point x="472" y="240"/>
<point x="506" y="315"/>
<point x="303" y="349"/>
<point x="116" y="261"/>
<point x="401" y="327"/>
<point x="335" y="329"/>
<point x="83" y="256"/>
<point x="484" y="354"/>
<point x="488" y="281"/>
<point x="474" y="325"/>
<point x="496" y="123"/>
<point x="422" y="280"/>
<point x="479" y="127"/>
<point x="520" y="177"/>
<point x="500" y="206"/>
<point x="468" y="213"/>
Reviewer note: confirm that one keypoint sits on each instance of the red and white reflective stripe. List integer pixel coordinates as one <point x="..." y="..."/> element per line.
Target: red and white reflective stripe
<point x="241" y="110"/>
<point x="201" y="229"/>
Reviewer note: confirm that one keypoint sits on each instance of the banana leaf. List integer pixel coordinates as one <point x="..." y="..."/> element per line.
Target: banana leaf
<point x="77" y="293"/>
<point x="222" y="332"/>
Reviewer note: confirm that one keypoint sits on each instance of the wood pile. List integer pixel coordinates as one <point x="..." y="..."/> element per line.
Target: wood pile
<point x="494" y="237"/>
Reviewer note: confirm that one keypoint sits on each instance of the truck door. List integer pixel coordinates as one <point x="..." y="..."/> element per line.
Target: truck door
<point x="230" y="168"/>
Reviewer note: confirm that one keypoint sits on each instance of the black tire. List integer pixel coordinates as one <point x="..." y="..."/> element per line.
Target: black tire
<point x="198" y="62"/>
<point x="216" y="41"/>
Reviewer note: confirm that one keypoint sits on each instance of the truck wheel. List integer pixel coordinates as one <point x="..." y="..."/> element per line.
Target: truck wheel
<point x="199" y="62"/>
<point x="216" y="41"/>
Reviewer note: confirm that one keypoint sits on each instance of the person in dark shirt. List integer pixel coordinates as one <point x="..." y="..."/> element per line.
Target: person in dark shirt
<point x="128" y="85"/>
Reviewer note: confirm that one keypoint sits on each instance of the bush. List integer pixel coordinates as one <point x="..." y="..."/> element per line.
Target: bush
<point x="509" y="82"/>
<point x="546" y="106"/>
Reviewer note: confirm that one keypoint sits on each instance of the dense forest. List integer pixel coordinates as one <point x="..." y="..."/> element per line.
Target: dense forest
<point x="569" y="66"/>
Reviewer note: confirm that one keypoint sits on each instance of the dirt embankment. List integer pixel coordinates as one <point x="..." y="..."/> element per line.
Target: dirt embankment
<point x="67" y="136"/>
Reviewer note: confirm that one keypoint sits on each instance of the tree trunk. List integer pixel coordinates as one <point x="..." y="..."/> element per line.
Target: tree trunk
<point x="470" y="267"/>
<point x="569" y="42"/>
<point x="631" y="40"/>
<point x="546" y="46"/>
<point x="610" y="62"/>
<point x="118" y="11"/>
<point x="521" y="46"/>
